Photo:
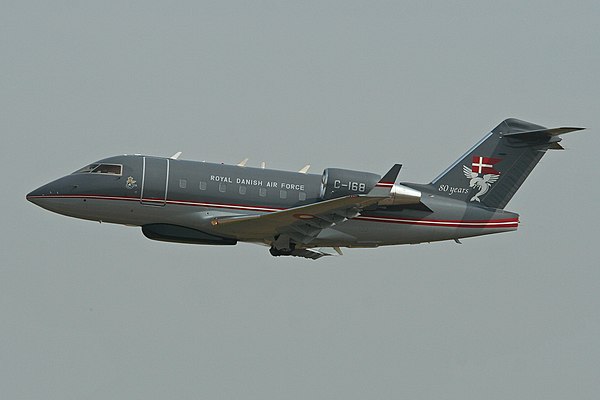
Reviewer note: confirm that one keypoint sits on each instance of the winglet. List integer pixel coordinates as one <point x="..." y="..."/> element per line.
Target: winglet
<point x="390" y="177"/>
<point x="394" y="193"/>
<point x="175" y="156"/>
<point x="384" y="187"/>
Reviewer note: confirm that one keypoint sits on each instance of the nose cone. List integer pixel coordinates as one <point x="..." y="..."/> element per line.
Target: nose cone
<point x="38" y="195"/>
<point x="32" y="195"/>
<point x="41" y="191"/>
<point x="45" y="196"/>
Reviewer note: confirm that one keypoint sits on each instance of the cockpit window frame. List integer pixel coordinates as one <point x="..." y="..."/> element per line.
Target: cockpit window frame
<point x="95" y="168"/>
<point x="87" y="169"/>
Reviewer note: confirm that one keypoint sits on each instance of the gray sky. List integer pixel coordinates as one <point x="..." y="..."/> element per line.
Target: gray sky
<point x="96" y="311"/>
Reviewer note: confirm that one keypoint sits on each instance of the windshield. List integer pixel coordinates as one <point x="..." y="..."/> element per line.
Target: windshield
<point x="104" y="169"/>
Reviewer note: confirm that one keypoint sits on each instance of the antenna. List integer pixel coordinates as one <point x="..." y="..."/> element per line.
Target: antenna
<point x="304" y="169"/>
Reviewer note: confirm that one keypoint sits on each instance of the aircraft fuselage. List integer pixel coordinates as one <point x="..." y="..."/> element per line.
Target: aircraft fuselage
<point x="161" y="192"/>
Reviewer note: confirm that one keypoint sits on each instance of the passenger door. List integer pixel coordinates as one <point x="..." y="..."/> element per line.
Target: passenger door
<point x="155" y="181"/>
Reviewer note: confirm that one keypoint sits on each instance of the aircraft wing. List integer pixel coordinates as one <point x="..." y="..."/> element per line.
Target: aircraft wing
<point x="302" y="224"/>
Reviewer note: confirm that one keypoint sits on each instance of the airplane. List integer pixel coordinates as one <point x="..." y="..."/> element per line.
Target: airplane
<point x="301" y="214"/>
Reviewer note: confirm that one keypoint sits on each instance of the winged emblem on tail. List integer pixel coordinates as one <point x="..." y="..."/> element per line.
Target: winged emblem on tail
<point x="483" y="183"/>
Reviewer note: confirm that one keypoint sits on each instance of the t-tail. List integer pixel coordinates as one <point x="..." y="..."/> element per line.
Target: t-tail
<point x="492" y="171"/>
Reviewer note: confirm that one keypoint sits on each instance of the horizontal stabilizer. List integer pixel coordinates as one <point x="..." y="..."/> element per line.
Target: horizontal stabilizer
<point x="543" y="132"/>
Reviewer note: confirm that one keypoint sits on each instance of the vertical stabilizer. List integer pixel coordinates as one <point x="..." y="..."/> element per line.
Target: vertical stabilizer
<point x="493" y="170"/>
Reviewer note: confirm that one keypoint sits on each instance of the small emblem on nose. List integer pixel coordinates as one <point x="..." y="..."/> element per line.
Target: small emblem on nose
<point x="131" y="183"/>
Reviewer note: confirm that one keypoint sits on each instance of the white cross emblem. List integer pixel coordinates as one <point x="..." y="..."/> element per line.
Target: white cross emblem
<point x="480" y="165"/>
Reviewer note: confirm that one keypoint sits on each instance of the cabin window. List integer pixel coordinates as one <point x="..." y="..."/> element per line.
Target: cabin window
<point x="222" y="187"/>
<point x="283" y="194"/>
<point x="262" y="192"/>
<point x="202" y="185"/>
<point x="104" y="169"/>
<point x="242" y="189"/>
<point x="183" y="183"/>
<point x="301" y="196"/>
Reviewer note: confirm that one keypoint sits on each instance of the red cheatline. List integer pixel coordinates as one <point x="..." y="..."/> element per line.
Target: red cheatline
<point x="497" y="223"/>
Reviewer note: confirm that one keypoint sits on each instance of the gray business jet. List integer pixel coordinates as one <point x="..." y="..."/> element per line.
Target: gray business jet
<point x="301" y="214"/>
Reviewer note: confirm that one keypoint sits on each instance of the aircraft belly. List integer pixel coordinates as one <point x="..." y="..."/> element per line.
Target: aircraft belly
<point x="128" y="212"/>
<point x="369" y="233"/>
<point x="359" y="232"/>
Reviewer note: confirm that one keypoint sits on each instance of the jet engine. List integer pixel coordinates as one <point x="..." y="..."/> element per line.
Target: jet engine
<point x="338" y="182"/>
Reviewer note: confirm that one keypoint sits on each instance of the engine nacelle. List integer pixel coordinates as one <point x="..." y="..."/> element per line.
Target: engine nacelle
<point x="338" y="182"/>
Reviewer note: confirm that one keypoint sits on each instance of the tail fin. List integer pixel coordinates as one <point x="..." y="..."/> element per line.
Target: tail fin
<point x="493" y="170"/>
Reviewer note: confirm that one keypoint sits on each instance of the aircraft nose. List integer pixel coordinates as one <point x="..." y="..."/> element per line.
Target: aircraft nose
<point x="31" y="196"/>
<point x="37" y="196"/>
<point x="57" y="196"/>
<point x="43" y="194"/>
<point x="36" y="193"/>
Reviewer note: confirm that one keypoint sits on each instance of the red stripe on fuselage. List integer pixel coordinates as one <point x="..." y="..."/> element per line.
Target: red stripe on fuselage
<point x="494" y="223"/>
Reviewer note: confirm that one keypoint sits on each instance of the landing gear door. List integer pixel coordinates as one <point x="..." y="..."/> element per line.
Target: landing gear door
<point x="155" y="181"/>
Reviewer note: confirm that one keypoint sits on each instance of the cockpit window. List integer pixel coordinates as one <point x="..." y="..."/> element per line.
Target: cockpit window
<point x="86" y="169"/>
<point x="111" y="169"/>
<point x="105" y="169"/>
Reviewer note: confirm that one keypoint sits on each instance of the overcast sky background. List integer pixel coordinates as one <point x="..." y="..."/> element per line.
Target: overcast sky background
<point x="97" y="311"/>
